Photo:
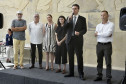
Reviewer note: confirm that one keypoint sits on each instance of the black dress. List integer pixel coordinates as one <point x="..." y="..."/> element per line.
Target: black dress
<point x="61" y="51"/>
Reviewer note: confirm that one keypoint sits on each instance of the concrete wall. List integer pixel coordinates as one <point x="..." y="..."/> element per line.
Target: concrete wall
<point x="89" y="9"/>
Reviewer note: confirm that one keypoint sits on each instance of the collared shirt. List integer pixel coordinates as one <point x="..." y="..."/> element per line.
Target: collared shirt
<point x="35" y="31"/>
<point x="104" y="32"/>
<point x="76" y="18"/>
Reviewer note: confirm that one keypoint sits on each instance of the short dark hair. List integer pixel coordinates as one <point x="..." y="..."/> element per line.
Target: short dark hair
<point x="49" y="15"/>
<point x="105" y="11"/>
<point x="10" y="30"/>
<point x="76" y="6"/>
<point x="59" y="24"/>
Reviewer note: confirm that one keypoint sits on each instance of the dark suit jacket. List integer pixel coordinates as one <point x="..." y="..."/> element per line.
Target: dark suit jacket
<point x="79" y="27"/>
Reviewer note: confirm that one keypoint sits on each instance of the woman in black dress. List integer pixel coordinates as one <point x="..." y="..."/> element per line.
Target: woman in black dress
<point x="61" y="50"/>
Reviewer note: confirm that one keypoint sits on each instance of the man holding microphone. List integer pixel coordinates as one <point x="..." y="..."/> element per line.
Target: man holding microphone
<point x="76" y="28"/>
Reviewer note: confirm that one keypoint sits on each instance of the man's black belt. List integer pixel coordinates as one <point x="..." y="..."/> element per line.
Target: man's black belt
<point x="104" y="43"/>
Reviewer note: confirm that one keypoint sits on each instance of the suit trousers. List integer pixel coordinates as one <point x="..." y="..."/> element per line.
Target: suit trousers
<point x="75" y="46"/>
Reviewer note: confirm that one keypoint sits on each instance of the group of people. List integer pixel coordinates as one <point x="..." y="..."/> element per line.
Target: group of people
<point x="58" y="39"/>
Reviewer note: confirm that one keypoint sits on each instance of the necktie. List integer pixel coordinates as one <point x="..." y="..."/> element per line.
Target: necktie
<point x="74" y="20"/>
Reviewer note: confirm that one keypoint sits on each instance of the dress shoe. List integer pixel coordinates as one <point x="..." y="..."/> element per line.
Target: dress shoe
<point x="82" y="77"/>
<point x="109" y="81"/>
<point x="69" y="75"/>
<point x="98" y="79"/>
<point x="31" y="67"/>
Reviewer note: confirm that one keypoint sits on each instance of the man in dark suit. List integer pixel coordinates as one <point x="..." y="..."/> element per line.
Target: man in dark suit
<point x="76" y="28"/>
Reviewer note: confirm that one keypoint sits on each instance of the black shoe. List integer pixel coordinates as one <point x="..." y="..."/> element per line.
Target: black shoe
<point x="31" y="67"/>
<point x="98" y="79"/>
<point x="109" y="81"/>
<point x="82" y="77"/>
<point x="69" y="75"/>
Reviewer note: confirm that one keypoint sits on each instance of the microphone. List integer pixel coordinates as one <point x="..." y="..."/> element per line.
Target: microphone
<point x="73" y="13"/>
<point x="71" y="16"/>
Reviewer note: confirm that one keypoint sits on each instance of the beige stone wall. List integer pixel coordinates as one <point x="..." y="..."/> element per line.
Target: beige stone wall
<point x="89" y="9"/>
